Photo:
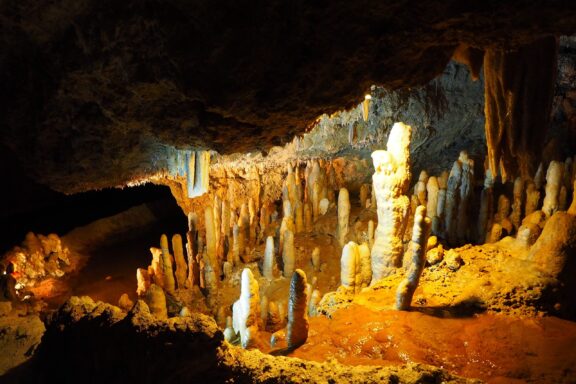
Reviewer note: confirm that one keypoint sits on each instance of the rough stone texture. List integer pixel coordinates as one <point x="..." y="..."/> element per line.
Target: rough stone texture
<point x="93" y="86"/>
<point x="96" y="340"/>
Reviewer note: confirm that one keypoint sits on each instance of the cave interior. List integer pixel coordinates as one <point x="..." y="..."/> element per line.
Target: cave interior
<point x="288" y="191"/>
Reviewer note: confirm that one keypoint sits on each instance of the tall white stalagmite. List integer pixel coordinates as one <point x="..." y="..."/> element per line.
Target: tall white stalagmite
<point x="466" y="190"/>
<point x="297" y="329"/>
<point x="417" y="253"/>
<point x="553" y="183"/>
<point x="246" y="310"/>
<point x="269" y="259"/>
<point x="343" y="215"/>
<point x="391" y="180"/>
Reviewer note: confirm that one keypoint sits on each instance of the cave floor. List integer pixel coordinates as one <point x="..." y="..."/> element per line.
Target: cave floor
<point x="492" y="347"/>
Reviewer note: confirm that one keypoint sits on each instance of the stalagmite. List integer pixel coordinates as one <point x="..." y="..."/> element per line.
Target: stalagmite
<point x="365" y="265"/>
<point x="225" y="225"/>
<point x="217" y="217"/>
<point x="264" y="219"/>
<point x="486" y="207"/>
<point x="518" y="199"/>
<point x="313" y="304"/>
<point x="391" y="180"/>
<point x="539" y="177"/>
<point x="562" y="198"/>
<point x="417" y="252"/>
<point x="503" y="209"/>
<point x="453" y="201"/>
<point x="269" y="259"/>
<point x="299" y="217"/>
<point x="211" y="244"/>
<point x="466" y="189"/>
<point x="227" y="270"/>
<point x="167" y="268"/>
<point x="366" y="107"/>
<point x="343" y="215"/>
<point x="286" y="225"/>
<point x="316" y="190"/>
<point x="495" y="233"/>
<point x="181" y="267"/>
<point x="350" y="273"/>
<point x="297" y="329"/>
<point x="246" y="310"/>
<point x="229" y="333"/>
<point x="371" y="233"/>
<point x="432" y="196"/>
<point x="236" y="246"/>
<point x="288" y="253"/>
<point x="156" y="301"/>
<point x="143" y="281"/>
<point x="532" y="198"/>
<point x="323" y="206"/>
<point x="316" y="259"/>
<point x="420" y="188"/>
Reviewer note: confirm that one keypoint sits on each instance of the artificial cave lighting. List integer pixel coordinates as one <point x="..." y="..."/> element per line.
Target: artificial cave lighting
<point x="423" y="234"/>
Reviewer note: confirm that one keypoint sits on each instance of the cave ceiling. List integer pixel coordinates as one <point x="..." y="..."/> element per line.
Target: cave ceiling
<point x="90" y="87"/>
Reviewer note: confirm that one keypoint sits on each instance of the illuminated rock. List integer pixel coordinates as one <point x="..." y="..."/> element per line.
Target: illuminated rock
<point x="371" y="233"/>
<point x="315" y="299"/>
<point x="143" y="281"/>
<point x="125" y="303"/>
<point x="391" y="180"/>
<point x="466" y="190"/>
<point x="156" y="301"/>
<point x="308" y="224"/>
<point x="364" y="192"/>
<point x="453" y="201"/>
<point x="417" y="254"/>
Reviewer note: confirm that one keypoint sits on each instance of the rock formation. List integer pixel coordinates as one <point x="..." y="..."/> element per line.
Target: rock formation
<point x="391" y="180"/>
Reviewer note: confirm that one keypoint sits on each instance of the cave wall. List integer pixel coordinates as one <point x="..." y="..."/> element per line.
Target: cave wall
<point x="92" y="89"/>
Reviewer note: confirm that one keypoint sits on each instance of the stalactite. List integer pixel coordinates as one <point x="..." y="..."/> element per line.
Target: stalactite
<point x="518" y="89"/>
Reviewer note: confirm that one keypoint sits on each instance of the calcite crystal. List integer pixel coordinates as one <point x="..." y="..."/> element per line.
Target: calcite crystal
<point x="391" y="180"/>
